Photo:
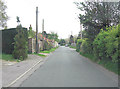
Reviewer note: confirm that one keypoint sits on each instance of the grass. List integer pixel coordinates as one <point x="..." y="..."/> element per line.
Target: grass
<point x="7" y="57"/>
<point x="106" y="63"/>
<point x="46" y="51"/>
<point x="51" y="50"/>
<point x="72" y="47"/>
<point x="40" y="55"/>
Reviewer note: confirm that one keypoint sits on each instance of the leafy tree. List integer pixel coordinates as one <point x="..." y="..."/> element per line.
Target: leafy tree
<point x="3" y="15"/>
<point x="20" y="44"/>
<point x="53" y="35"/>
<point x="98" y="15"/>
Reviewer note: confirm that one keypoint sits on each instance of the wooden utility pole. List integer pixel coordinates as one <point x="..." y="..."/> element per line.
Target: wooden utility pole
<point x="36" y="29"/>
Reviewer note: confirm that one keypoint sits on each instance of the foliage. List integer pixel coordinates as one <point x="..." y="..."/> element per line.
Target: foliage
<point x="47" y="46"/>
<point x="7" y="57"/>
<point x="72" y="47"/>
<point x="106" y="63"/>
<point x="50" y="36"/>
<point x="106" y="44"/>
<point x="98" y="15"/>
<point x="86" y="46"/>
<point x="53" y="35"/>
<point x="3" y="15"/>
<point x="62" y="42"/>
<point x="20" y="44"/>
<point x="48" y="51"/>
<point x="99" y="45"/>
<point x="31" y="33"/>
<point x="79" y="42"/>
<point x="41" y="55"/>
<point x="112" y="43"/>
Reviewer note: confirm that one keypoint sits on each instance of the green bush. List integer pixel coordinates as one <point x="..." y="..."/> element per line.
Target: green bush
<point x="20" y="44"/>
<point x="86" y="46"/>
<point x="47" y="45"/>
<point x="79" y="42"/>
<point x="112" y="43"/>
<point x="99" y="45"/>
<point x="106" y="44"/>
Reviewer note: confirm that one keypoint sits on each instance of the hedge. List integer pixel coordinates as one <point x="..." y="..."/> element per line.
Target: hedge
<point x="86" y="46"/>
<point x="79" y="42"/>
<point x="106" y="44"/>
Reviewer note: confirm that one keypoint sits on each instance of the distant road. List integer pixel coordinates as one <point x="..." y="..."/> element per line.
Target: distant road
<point x="66" y="68"/>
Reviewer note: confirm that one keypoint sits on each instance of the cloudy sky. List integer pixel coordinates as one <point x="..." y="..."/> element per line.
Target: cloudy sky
<point x="59" y="16"/>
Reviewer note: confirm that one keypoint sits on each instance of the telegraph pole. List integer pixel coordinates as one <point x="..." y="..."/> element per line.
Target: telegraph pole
<point x="36" y="29"/>
<point x="42" y="25"/>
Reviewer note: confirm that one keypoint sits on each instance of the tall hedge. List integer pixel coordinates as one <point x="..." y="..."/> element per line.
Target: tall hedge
<point x="86" y="46"/>
<point x="79" y="42"/>
<point x="106" y="44"/>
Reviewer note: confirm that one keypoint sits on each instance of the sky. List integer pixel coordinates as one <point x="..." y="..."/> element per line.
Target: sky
<point x="60" y="16"/>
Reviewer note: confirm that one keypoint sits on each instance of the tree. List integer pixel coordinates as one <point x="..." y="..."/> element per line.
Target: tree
<point x="53" y="35"/>
<point x="3" y="15"/>
<point x="98" y="15"/>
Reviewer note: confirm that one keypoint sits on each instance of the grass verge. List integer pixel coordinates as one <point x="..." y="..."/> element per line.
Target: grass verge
<point x="106" y="63"/>
<point x="41" y="55"/>
<point x="51" y="50"/>
<point x="8" y="57"/>
<point x="72" y="47"/>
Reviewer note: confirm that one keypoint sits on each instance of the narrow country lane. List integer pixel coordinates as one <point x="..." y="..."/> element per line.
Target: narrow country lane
<point x="66" y="68"/>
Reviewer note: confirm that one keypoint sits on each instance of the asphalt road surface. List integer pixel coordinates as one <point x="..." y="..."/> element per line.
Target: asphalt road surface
<point x="66" y="68"/>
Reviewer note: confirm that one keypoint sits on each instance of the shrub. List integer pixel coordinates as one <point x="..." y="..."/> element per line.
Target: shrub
<point x="20" y="44"/>
<point x="99" y="45"/>
<point x="79" y="42"/>
<point x="86" y="46"/>
<point x="106" y="44"/>
<point x="112" y="43"/>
